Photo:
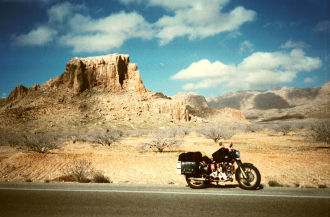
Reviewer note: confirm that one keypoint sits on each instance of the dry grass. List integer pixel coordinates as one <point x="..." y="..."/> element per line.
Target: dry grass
<point x="293" y="160"/>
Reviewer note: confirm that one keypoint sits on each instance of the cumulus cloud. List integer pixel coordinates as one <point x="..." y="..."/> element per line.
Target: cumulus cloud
<point x="323" y="26"/>
<point x="105" y="33"/>
<point x="36" y="37"/>
<point x="83" y="33"/>
<point x="259" y="70"/>
<point x="210" y="20"/>
<point x="294" y="44"/>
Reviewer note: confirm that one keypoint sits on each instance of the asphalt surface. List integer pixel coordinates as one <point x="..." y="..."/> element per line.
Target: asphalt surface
<point x="63" y="199"/>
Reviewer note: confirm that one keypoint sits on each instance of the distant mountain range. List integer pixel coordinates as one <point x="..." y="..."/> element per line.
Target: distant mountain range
<point x="282" y="103"/>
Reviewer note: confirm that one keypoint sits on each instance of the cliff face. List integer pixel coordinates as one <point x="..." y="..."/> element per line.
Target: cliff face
<point x="113" y="72"/>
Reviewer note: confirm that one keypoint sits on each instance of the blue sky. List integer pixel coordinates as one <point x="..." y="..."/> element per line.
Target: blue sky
<point x="205" y="46"/>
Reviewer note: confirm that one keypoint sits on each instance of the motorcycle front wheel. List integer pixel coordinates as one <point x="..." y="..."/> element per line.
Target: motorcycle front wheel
<point x="196" y="184"/>
<point x="252" y="179"/>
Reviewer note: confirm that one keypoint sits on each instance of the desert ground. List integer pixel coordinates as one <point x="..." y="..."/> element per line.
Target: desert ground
<point x="294" y="159"/>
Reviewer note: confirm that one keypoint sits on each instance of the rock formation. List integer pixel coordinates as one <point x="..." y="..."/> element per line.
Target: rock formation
<point x="21" y="91"/>
<point x="112" y="77"/>
<point x="113" y="72"/>
<point x="192" y="99"/>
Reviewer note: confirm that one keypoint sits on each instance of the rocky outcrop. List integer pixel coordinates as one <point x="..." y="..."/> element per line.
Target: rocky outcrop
<point x="113" y="72"/>
<point x="192" y="99"/>
<point x="174" y="110"/>
<point x="21" y="91"/>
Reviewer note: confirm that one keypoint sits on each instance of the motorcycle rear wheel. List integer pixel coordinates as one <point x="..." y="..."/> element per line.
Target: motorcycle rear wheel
<point x="194" y="183"/>
<point x="253" y="179"/>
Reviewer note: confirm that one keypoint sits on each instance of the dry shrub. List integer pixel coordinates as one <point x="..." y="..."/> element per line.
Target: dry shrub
<point x="12" y="139"/>
<point x="217" y="132"/>
<point x="107" y="137"/>
<point x="321" y="131"/>
<point x="274" y="183"/>
<point x="164" y="138"/>
<point x="284" y="128"/>
<point x="253" y="128"/>
<point x="41" y="143"/>
<point x="80" y="170"/>
<point x="99" y="177"/>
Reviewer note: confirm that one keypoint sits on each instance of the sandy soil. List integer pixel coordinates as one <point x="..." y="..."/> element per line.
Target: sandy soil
<point x="292" y="160"/>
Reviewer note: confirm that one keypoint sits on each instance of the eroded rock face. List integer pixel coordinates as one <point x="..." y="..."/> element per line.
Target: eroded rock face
<point x="192" y="99"/>
<point x="113" y="72"/>
<point x="21" y="91"/>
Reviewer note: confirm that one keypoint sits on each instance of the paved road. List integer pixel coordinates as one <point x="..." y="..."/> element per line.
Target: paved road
<point x="52" y="199"/>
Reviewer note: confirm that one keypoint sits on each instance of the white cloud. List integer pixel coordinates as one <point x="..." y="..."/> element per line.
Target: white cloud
<point x="308" y="80"/>
<point x="294" y="44"/>
<point x="61" y="12"/>
<point x="246" y="46"/>
<point x="36" y="37"/>
<point x="105" y="33"/>
<point x="195" y="19"/>
<point x="126" y="2"/>
<point x="259" y="70"/>
<point x="323" y="26"/>
<point x="4" y="95"/>
<point x="199" y="20"/>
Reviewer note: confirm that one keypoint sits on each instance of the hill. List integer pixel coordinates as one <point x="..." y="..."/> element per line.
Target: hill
<point x="278" y="104"/>
<point x="94" y="92"/>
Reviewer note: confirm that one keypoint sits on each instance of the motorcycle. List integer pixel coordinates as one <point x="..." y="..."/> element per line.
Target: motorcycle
<point x="200" y="171"/>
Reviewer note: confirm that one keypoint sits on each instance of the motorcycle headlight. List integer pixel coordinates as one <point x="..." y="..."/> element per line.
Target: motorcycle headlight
<point x="237" y="154"/>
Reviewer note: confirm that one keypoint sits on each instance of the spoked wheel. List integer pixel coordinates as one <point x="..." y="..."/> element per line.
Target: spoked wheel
<point x="252" y="179"/>
<point x="196" y="182"/>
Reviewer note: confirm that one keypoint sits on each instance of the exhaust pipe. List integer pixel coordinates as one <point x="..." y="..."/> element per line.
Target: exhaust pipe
<point x="198" y="179"/>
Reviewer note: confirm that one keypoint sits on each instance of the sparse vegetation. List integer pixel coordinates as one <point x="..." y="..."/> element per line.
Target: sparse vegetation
<point x="41" y="143"/>
<point x="80" y="170"/>
<point x="11" y="138"/>
<point x="253" y="128"/>
<point x="273" y="183"/>
<point x="321" y="131"/>
<point x="99" y="177"/>
<point x="107" y="137"/>
<point x="322" y="186"/>
<point x="162" y="139"/>
<point x="217" y="132"/>
<point x="284" y="128"/>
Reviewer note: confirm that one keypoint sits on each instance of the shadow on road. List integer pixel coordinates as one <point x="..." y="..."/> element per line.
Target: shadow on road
<point x="228" y="186"/>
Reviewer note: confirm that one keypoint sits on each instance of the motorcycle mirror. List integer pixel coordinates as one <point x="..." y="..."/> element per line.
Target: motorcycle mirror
<point x="231" y="145"/>
<point x="220" y="143"/>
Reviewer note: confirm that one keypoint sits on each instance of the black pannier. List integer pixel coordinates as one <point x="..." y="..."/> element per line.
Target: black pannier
<point x="188" y="162"/>
<point x="190" y="157"/>
<point x="188" y="168"/>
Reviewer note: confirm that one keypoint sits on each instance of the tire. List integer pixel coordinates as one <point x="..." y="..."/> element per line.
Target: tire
<point x="195" y="184"/>
<point x="253" y="180"/>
